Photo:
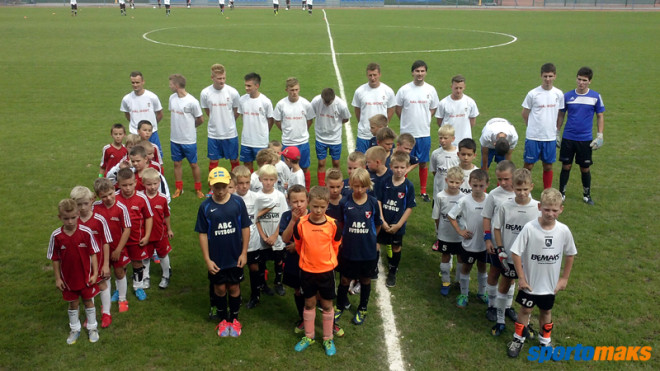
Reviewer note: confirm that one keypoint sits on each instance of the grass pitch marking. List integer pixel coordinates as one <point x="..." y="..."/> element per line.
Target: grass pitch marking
<point x="394" y="356"/>
<point x="512" y="39"/>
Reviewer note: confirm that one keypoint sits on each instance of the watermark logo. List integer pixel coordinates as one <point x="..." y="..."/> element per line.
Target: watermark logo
<point x="589" y="353"/>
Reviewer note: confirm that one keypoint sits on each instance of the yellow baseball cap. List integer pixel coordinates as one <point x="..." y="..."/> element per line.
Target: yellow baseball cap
<point x="219" y="175"/>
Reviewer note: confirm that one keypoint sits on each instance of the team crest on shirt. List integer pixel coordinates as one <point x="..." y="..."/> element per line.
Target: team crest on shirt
<point x="401" y="194"/>
<point x="548" y="242"/>
<point x="83" y="245"/>
<point x="149" y="104"/>
<point x="367" y="214"/>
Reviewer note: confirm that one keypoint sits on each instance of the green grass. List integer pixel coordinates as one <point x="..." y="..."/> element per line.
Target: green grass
<point x="63" y="79"/>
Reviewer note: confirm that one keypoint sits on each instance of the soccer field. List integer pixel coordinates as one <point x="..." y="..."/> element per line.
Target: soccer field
<point x="62" y="82"/>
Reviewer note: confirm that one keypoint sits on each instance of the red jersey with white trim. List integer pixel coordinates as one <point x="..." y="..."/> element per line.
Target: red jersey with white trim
<point x="75" y="254"/>
<point x="161" y="210"/>
<point x="112" y="156"/>
<point x="116" y="217"/>
<point x="138" y="210"/>
<point x="99" y="227"/>
<point x="156" y="165"/>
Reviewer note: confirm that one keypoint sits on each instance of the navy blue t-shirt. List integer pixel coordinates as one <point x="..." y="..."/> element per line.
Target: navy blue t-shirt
<point x="291" y="258"/>
<point x="359" y="234"/>
<point x="346" y="190"/>
<point x="334" y="211"/>
<point x="223" y="224"/>
<point x="395" y="200"/>
<point x="378" y="180"/>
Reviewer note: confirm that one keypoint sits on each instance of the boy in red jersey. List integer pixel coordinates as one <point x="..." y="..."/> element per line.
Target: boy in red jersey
<point x="84" y="199"/>
<point x="115" y="151"/>
<point x="73" y="249"/>
<point x="161" y="232"/>
<point x="141" y="222"/>
<point x="119" y="223"/>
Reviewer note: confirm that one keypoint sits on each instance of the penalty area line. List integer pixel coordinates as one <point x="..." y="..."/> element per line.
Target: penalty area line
<point x="391" y="338"/>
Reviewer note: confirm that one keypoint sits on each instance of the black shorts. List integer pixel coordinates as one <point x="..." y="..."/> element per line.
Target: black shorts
<point x="385" y="238"/>
<point x="254" y="257"/>
<point x="167" y="6"/>
<point x="291" y="276"/>
<point x="473" y="257"/>
<point x="544" y="302"/>
<point x="453" y="248"/>
<point x="494" y="261"/>
<point x="580" y="150"/>
<point x="353" y="269"/>
<point x="323" y="283"/>
<point x="227" y="276"/>
<point x="74" y="6"/>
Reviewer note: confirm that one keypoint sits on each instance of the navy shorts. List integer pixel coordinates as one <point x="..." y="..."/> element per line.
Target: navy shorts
<point x="385" y="238"/>
<point x="181" y="151"/>
<point x="534" y="149"/>
<point x="322" y="151"/>
<point x="222" y="148"/>
<point x="469" y="257"/>
<point x="353" y="269"/>
<point x="422" y="149"/>
<point x="494" y="261"/>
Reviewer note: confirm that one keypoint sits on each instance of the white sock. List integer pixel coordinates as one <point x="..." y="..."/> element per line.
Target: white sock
<point x="459" y="269"/>
<point x="482" y="278"/>
<point x="91" y="318"/>
<point x="147" y="264"/>
<point x="74" y="321"/>
<point x="445" y="268"/>
<point x="544" y="341"/>
<point x="492" y="294"/>
<point x="509" y="295"/>
<point x="165" y="265"/>
<point x="500" y="304"/>
<point x="105" y="299"/>
<point x="122" y="287"/>
<point x="465" y="284"/>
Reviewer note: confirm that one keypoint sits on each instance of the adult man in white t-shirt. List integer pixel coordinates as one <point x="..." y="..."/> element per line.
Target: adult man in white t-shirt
<point x="186" y="116"/>
<point x="371" y="99"/>
<point x="257" y="111"/>
<point x="220" y="102"/>
<point x="498" y="139"/>
<point x="331" y="114"/>
<point x="293" y="115"/>
<point x="458" y="110"/>
<point x="416" y="102"/>
<point x="141" y="104"/>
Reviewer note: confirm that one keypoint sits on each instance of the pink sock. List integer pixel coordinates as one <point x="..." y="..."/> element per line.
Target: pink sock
<point x="309" y="315"/>
<point x="328" y="323"/>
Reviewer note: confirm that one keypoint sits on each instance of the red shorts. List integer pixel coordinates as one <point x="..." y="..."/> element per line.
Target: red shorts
<point x="123" y="259"/>
<point x="86" y="293"/>
<point x="162" y="247"/>
<point x="136" y="252"/>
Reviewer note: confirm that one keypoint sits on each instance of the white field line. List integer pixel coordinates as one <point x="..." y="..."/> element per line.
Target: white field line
<point x="394" y="356"/>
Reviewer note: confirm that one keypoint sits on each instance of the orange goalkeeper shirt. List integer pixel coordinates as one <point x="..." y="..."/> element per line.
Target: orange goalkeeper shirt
<point x="317" y="244"/>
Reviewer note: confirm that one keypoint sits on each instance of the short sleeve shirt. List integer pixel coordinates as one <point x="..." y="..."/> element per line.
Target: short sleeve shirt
<point x="221" y="104"/>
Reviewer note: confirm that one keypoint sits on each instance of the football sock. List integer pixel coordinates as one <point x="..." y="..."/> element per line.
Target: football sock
<point x="547" y="179"/>
<point x="482" y="278"/>
<point x="221" y="304"/>
<point x="234" y="164"/>
<point x="423" y="176"/>
<point x="165" y="265"/>
<point x="586" y="183"/>
<point x="198" y="186"/>
<point x="546" y="331"/>
<point x="459" y="269"/>
<point x="509" y="295"/>
<point x="320" y="176"/>
<point x="300" y="304"/>
<point x="309" y="315"/>
<point x="500" y="304"/>
<point x="342" y="296"/>
<point x="492" y="294"/>
<point x="138" y="276"/>
<point x="90" y="313"/>
<point x="563" y="180"/>
<point x="465" y="283"/>
<point x="178" y="184"/>
<point x="213" y="165"/>
<point x="445" y="268"/>
<point x="308" y="180"/>
<point x="122" y="287"/>
<point x="254" y="284"/>
<point x="74" y="321"/>
<point x="105" y="300"/>
<point x="147" y="264"/>
<point x="518" y="333"/>
<point x="234" y="307"/>
<point x="394" y="262"/>
<point x="328" y="323"/>
<point x="279" y="272"/>
<point x="365" y="291"/>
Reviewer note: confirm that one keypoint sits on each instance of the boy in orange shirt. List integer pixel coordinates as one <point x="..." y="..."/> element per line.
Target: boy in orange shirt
<point x="317" y="238"/>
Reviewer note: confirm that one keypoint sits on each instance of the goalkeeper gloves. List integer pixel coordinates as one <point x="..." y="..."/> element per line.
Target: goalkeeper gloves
<point x="503" y="258"/>
<point x="558" y="138"/>
<point x="598" y="142"/>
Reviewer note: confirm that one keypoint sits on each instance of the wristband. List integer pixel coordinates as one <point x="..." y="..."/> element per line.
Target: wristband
<point x="487" y="236"/>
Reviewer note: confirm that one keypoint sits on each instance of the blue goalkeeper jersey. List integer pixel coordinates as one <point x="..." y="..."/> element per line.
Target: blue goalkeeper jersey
<point x="581" y="109"/>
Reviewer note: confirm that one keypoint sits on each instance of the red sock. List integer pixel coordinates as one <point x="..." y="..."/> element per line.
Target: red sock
<point x="233" y="164"/>
<point x="178" y="185"/>
<point x="321" y="178"/>
<point x="547" y="179"/>
<point x="423" y="176"/>
<point x="198" y="186"/>
<point x="308" y="179"/>
<point x="212" y="165"/>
